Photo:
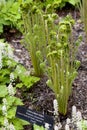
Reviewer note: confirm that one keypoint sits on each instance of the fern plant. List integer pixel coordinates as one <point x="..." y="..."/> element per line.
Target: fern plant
<point x="34" y="36"/>
<point x="52" y="50"/>
<point x="63" y="65"/>
<point x="83" y="9"/>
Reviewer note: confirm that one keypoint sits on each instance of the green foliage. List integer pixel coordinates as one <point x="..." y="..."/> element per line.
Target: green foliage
<point x="10" y="15"/>
<point x="4" y="91"/>
<point x="53" y="47"/>
<point x="20" y="73"/>
<point x="12" y="103"/>
<point x="63" y="65"/>
<point x="73" y="2"/>
<point x="7" y="67"/>
<point x="83" y="8"/>
<point x="34" y="36"/>
<point x="83" y="124"/>
<point x="38" y="127"/>
<point x="25" y="80"/>
<point x="55" y="4"/>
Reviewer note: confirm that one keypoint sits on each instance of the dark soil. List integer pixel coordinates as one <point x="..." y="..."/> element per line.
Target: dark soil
<point x="39" y="96"/>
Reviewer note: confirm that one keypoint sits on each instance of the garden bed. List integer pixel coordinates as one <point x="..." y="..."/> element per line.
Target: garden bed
<point x="40" y="96"/>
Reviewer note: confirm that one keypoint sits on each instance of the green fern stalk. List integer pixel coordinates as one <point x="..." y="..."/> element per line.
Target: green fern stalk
<point x="83" y="12"/>
<point x="62" y="57"/>
<point x="35" y="37"/>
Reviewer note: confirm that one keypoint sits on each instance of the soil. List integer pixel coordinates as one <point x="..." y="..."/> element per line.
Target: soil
<point x="40" y="96"/>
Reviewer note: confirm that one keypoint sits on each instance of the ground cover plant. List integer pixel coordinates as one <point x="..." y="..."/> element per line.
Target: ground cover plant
<point x="10" y="15"/>
<point x="12" y="76"/>
<point x="83" y="8"/>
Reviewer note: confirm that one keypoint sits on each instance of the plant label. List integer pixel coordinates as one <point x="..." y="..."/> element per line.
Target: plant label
<point x="35" y="117"/>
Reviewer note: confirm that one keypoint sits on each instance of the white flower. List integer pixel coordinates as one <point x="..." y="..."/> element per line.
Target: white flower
<point x="68" y="121"/>
<point x="6" y="123"/>
<point x="67" y="127"/>
<point x="5" y="50"/>
<point x="59" y="125"/>
<point x="11" y="127"/>
<point x="46" y="126"/>
<point x="79" y="116"/>
<point x="10" y="52"/>
<point x="55" y="105"/>
<point x="56" y="127"/>
<point x="11" y="77"/>
<point x="73" y="110"/>
<point x="0" y="59"/>
<point x="74" y="114"/>
<point x="3" y="128"/>
<point x="2" y="46"/>
<point x="4" y="101"/>
<point x="4" y="110"/>
<point x="11" y="90"/>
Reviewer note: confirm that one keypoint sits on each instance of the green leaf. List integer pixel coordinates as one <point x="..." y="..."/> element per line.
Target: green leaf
<point x="28" y="81"/>
<point x="0" y="108"/>
<point x="73" y="2"/>
<point x="20" y="70"/>
<point x="10" y="100"/>
<point x="77" y="64"/>
<point x="4" y="75"/>
<point x="19" y="85"/>
<point x="18" y="101"/>
<point x="49" y="83"/>
<point x="18" y="123"/>
<point x="11" y="63"/>
<point x="3" y="91"/>
<point x="36" y="127"/>
<point x="1" y="28"/>
<point x="1" y="119"/>
<point x="11" y="112"/>
<point x="10" y="14"/>
<point x="24" y="122"/>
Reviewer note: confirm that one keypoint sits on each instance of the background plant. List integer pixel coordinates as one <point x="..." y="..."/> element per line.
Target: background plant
<point x="10" y="15"/>
<point x="83" y="11"/>
<point x="57" y="3"/>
